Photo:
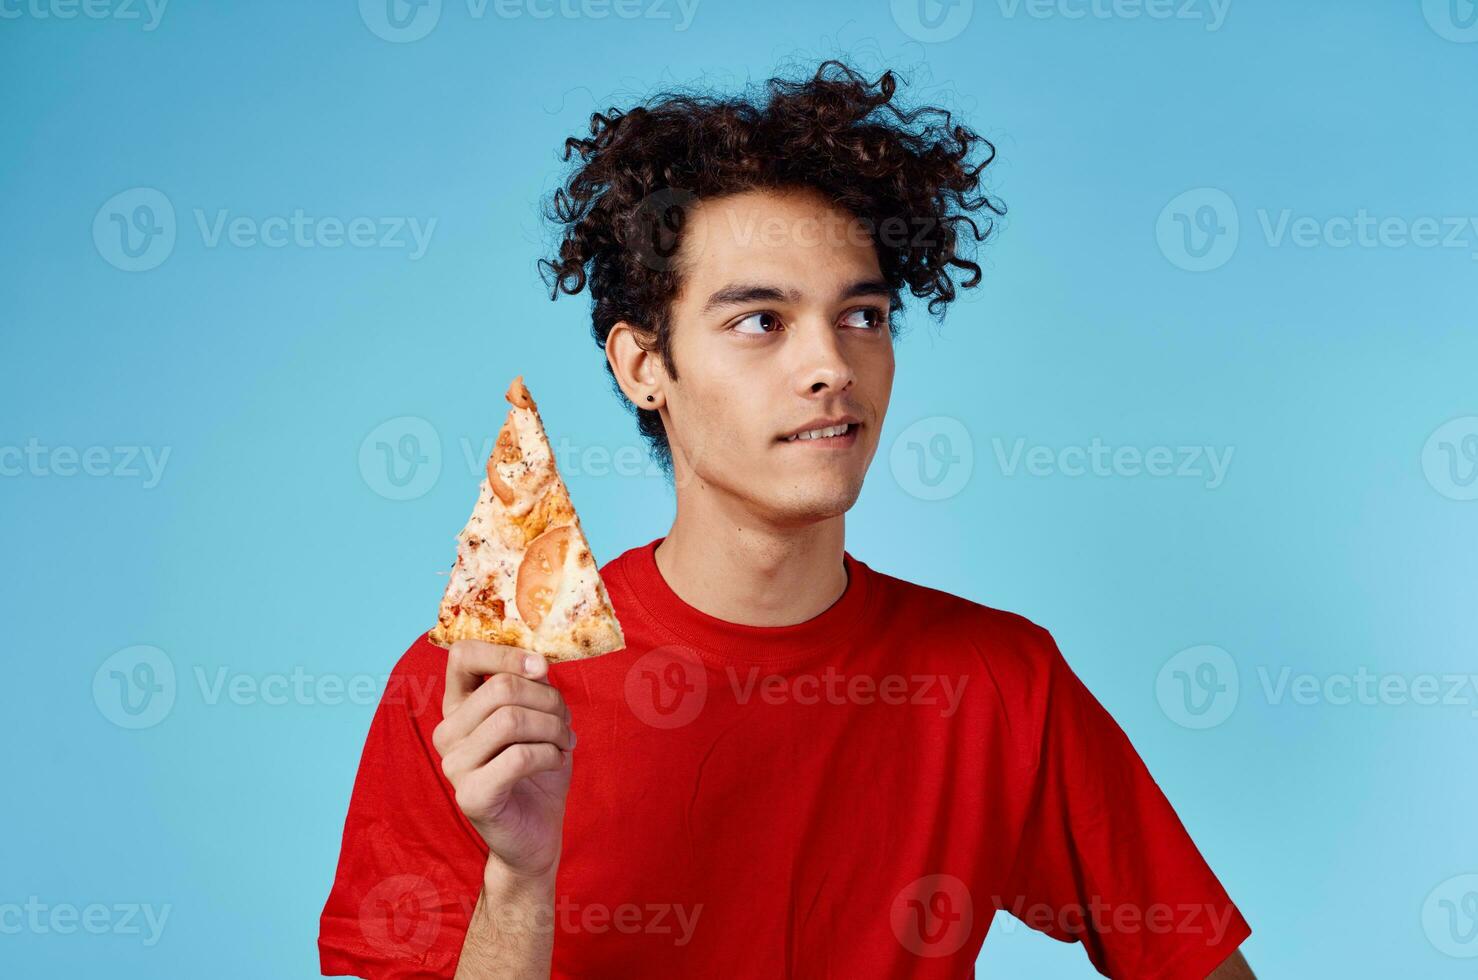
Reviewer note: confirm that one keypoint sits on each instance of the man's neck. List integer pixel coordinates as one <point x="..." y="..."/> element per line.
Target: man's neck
<point x="755" y="575"/>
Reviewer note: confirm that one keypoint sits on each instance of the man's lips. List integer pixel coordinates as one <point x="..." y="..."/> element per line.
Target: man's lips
<point x="843" y="441"/>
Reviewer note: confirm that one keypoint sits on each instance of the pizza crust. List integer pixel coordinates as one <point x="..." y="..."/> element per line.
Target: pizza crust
<point x="525" y="575"/>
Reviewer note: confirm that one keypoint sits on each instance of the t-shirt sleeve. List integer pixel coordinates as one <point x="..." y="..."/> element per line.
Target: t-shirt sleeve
<point x="1103" y="858"/>
<point x="410" y="866"/>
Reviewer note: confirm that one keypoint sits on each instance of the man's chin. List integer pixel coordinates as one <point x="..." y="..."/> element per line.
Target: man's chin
<point x="800" y="506"/>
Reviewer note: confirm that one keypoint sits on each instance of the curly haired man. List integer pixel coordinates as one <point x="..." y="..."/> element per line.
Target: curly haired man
<point x="799" y="766"/>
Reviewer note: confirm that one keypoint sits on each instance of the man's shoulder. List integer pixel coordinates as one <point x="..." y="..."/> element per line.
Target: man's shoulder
<point x="421" y="657"/>
<point x="418" y="679"/>
<point x="1013" y="663"/>
<point x="941" y="606"/>
<point x="999" y="639"/>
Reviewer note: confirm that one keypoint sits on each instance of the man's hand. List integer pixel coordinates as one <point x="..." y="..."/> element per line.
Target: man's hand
<point x="505" y="744"/>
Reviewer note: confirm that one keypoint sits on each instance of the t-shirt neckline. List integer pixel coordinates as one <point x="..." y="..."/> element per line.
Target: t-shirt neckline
<point x="727" y="642"/>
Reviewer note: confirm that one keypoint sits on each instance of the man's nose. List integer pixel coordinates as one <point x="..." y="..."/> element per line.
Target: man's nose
<point x="820" y="362"/>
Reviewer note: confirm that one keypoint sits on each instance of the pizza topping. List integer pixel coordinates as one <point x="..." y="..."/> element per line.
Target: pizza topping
<point x="540" y="573"/>
<point x="521" y="463"/>
<point x="553" y="508"/>
<point x="518" y="395"/>
<point x="506" y="448"/>
<point x="503" y="490"/>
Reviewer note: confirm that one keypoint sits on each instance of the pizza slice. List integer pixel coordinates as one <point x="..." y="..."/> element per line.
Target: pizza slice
<point x="525" y="575"/>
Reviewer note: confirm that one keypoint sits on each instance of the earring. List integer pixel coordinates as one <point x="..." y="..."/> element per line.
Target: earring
<point x="651" y="398"/>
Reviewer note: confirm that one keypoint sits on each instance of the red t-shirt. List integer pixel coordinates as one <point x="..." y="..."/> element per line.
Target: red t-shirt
<point x="852" y="796"/>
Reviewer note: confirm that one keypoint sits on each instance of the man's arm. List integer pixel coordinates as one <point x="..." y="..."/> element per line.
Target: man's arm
<point x="505" y="743"/>
<point x="511" y="933"/>
<point x="1099" y="832"/>
<point x="1234" y="967"/>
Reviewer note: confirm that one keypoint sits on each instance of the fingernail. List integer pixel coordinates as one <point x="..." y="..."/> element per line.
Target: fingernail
<point x="532" y="663"/>
<point x="574" y="737"/>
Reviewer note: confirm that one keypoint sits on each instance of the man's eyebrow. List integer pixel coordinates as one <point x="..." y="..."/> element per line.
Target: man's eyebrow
<point x="737" y="293"/>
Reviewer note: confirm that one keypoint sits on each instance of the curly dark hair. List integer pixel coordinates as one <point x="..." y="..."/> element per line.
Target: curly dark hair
<point x="903" y="173"/>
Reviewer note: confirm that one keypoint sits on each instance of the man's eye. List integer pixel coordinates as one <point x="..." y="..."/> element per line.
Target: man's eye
<point x="873" y="317"/>
<point x="765" y="321"/>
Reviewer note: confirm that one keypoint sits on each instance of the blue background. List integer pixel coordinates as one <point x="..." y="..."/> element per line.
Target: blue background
<point x="266" y="548"/>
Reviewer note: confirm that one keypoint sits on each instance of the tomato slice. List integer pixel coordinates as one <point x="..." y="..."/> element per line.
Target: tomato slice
<point x="505" y="449"/>
<point x="541" y="572"/>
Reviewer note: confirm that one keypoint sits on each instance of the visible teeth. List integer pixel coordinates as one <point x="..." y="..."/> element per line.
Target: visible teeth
<point x="831" y="430"/>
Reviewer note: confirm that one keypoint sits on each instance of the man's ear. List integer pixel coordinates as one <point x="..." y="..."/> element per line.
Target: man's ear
<point x="638" y="368"/>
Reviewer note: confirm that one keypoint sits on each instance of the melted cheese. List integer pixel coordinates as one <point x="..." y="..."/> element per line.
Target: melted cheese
<point x="534" y="469"/>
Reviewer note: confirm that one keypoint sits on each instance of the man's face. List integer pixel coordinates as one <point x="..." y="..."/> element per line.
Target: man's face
<point x="782" y="323"/>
